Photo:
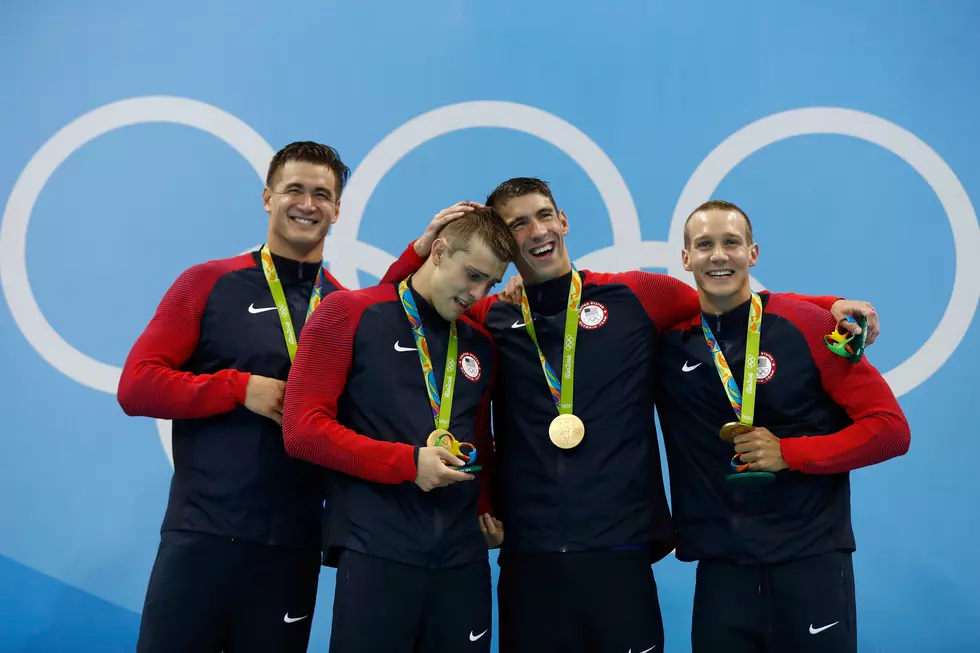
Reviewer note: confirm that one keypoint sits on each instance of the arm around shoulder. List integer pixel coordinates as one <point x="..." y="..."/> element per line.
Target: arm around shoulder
<point x="408" y="263"/>
<point x="879" y="431"/>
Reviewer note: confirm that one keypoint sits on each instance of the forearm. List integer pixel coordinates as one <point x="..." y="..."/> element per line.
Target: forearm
<point x="873" y="439"/>
<point x="310" y="434"/>
<point x="408" y="263"/>
<point x="150" y="388"/>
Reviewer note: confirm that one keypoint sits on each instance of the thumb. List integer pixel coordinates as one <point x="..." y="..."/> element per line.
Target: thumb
<point x="850" y="325"/>
<point x="445" y="455"/>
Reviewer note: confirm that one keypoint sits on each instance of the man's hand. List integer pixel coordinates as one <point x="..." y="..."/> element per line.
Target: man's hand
<point x="433" y="472"/>
<point x="849" y="307"/>
<point x="761" y="449"/>
<point x="263" y="396"/>
<point x="511" y="293"/>
<point x="424" y="244"/>
<point x="493" y="531"/>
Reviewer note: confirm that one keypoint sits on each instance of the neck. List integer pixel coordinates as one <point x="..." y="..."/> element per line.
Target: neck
<point x="422" y="281"/>
<point x="715" y="305"/>
<point x="532" y="279"/>
<point x="283" y="248"/>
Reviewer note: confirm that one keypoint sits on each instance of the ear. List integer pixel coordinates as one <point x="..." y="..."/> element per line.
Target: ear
<point x="563" y="220"/>
<point x="438" y="251"/>
<point x="336" y="214"/>
<point x="753" y="254"/>
<point x="267" y="200"/>
<point x="686" y="260"/>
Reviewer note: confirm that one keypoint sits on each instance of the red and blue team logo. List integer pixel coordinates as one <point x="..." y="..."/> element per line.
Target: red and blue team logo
<point x="470" y="366"/>
<point x="766" y="369"/>
<point x="592" y="315"/>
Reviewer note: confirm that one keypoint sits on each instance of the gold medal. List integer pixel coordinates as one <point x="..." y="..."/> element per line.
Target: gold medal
<point x="566" y="431"/>
<point x="733" y="429"/>
<point x="440" y="438"/>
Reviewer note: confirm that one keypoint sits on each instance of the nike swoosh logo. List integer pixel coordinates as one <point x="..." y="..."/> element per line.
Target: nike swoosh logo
<point x="473" y="637"/>
<point x="518" y="325"/>
<point x="290" y="620"/>
<point x="400" y="348"/>
<point x="685" y="368"/>
<point x="814" y="631"/>
<point x="646" y="651"/>
<point x="254" y="311"/>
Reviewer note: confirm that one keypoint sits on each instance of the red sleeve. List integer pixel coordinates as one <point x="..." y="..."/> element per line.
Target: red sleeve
<point x="823" y="301"/>
<point x="317" y="379"/>
<point x="880" y="430"/>
<point x="151" y="384"/>
<point x="408" y="263"/>
<point x="478" y="311"/>
<point x="668" y="301"/>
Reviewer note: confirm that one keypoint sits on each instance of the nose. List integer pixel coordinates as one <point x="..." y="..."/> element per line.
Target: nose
<point x="478" y="291"/>
<point x="718" y="254"/>
<point x="538" y="231"/>
<point x="307" y="204"/>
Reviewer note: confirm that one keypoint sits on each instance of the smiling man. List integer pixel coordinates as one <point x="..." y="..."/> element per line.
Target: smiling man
<point x="380" y="375"/>
<point x="239" y="553"/>
<point x="774" y="572"/>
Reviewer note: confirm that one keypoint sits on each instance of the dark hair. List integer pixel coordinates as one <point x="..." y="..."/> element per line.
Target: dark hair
<point x="309" y="152"/>
<point x="519" y="187"/>
<point x="720" y="205"/>
<point x="487" y="225"/>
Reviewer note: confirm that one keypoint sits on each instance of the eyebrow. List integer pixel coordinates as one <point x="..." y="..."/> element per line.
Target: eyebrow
<point x="729" y="234"/>
<point x="527" y="216"/>
<point x="296" y="184"/>
<point x="482" y="274"/>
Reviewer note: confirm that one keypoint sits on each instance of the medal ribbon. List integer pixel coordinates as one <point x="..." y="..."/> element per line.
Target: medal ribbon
<point x="272" y="277"/>
<point x="743" y="402"/>
<point x="561" y="389"/>
<point x="442" y="405"/>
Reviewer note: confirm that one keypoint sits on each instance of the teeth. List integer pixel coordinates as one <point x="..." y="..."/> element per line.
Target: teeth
<point x="304" y="220"/>
<point x="721" y="273"/>
<point x="544" y="249"/>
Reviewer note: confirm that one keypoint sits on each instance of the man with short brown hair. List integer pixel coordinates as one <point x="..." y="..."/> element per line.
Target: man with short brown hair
<point x="382" y="376"/>
<point x="751" y="375"/>
<point x="239" y="554"/>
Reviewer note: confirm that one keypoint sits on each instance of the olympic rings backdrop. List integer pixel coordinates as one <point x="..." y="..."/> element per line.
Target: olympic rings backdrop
<point x="135" y="137"/>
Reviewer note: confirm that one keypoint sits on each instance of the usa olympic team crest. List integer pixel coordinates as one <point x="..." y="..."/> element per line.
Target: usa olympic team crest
<point x="767" y="367"/>
<point x="470" y="365"/>
<point x="592" y="315"/>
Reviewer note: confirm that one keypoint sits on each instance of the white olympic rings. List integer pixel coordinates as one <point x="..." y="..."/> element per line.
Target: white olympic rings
<point x="347" y="254"/>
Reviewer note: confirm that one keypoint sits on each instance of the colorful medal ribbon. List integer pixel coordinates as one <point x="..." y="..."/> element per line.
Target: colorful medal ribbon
<point x="743" y="402"/>
<point x="441" y="405"/>
<point x="279" y="297"/>
<point x="561" y="389"/>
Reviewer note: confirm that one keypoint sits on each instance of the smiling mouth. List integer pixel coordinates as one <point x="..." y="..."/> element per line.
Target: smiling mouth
<point x="303" y="221"/>
<point x="721" y="274"/>
<point x="542" y="252"/>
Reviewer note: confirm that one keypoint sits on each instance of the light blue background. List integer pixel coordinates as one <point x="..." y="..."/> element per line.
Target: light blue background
<point x="656" y="85"/>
